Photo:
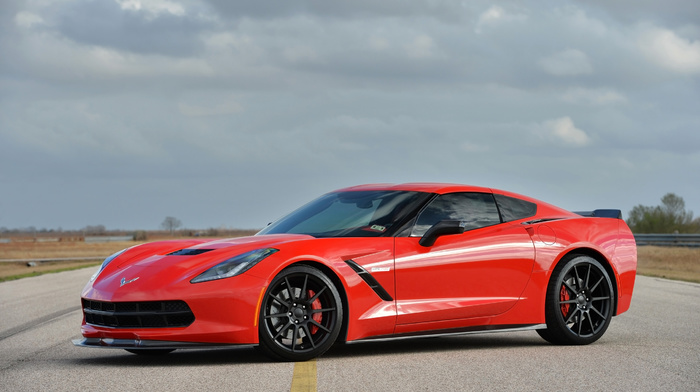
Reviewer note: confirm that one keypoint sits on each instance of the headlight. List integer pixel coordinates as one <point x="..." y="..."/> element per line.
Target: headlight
<point x="234" y="266"/>
<point x="104" y="264"/>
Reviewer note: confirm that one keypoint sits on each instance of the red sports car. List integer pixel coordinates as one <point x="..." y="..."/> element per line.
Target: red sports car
<point x="371" y="262"/>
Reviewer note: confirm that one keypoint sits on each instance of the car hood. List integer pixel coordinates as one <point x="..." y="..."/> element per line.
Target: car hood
<point x="169" y="261"/>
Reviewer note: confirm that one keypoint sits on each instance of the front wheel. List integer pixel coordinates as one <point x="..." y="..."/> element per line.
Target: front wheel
<point x="579" y="303"/>
<point x="300" y="315"/>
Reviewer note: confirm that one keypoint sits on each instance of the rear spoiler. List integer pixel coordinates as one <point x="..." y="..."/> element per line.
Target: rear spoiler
<point x="617" y="214"/>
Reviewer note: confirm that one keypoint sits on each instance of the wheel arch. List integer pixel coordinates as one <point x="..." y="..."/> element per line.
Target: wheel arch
<point x="599" y="257"/>
<point x="333" y="276"/>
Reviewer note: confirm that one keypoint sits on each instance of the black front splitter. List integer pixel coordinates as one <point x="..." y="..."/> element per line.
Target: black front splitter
<point x="143" y="344"/>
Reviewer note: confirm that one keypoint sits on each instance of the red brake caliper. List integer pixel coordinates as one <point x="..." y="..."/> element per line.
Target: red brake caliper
<point x="316" y="316"/>
<point x="564" y="296"/>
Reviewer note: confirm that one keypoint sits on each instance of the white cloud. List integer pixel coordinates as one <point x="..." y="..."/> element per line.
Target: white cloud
<point x="421" y="47"/>
<point x="494" y="16"/>
<point x="60" y="58"/>
<point x="27" y="19"/>
<point x="570" y="62"/>
<point x="670" y="51"/>
<point x="581" y="22"/>
<point x="152" y="7"/>
<point x="625" y="163"/>
<point x="378" y="43"/>
<point x="300" y="54"/>
<point x="474" y="147"/>
<point x="563" y="131"/>
<point x="224" y="108"/>
<point x="64" y="127"/>
<point x="593" y="96"/>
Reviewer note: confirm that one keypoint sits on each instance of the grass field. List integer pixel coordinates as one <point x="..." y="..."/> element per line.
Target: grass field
<point x="665" y="262"/>
<point x="669" y="262"/>
<point x="53" y="250"/>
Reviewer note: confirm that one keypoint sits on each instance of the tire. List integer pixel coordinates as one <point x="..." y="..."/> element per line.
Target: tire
<point x="150" y="352"/>
<point x="300" y="316"/>
<point x="579" y="303"/>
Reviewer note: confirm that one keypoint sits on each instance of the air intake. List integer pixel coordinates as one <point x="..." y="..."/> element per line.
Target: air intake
<point x="189" y="252"/>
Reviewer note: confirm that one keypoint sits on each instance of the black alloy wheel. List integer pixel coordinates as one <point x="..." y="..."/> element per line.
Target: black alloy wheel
<point x="580" y="302"/>
<point x="300" y="316"/>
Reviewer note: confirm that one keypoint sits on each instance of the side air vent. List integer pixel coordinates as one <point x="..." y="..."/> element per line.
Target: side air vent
<point x="189" y="252"/>
<point x="369" y="279"/>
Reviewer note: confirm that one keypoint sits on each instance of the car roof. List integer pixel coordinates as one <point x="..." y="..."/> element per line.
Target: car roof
<point x="544" y="209"/>
<point x="430" y="187"/>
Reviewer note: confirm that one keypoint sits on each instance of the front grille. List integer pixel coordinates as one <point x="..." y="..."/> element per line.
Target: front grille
<point x="151" y="314"/>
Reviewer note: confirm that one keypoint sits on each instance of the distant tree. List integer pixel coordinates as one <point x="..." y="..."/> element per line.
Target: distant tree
<point x="97" y="229"/>
<point x="171" y="224"/>
<point x="140" y="235"/>
<point x="669" y="217"/>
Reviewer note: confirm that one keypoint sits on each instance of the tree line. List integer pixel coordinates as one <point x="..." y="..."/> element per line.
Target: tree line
<point x="667" y="218"/>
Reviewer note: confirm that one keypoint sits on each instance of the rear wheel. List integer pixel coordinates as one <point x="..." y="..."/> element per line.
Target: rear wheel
<point x="580" y="302"/>
<point x="300" y="316"/>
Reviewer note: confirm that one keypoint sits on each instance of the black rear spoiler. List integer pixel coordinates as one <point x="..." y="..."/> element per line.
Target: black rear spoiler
<point x="617" y="214"/>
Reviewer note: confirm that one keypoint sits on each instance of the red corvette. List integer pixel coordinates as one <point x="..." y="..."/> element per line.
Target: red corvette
<point x="371" y="262"/>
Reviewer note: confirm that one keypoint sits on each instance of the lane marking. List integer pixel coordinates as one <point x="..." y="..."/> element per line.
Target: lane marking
<point x="304" y="379"/>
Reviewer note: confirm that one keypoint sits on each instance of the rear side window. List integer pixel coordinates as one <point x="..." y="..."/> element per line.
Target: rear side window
<point x="475" y="210"/>
<point x="513" y="209"/>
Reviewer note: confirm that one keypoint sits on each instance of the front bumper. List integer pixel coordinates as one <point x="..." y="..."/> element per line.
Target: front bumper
<point x="224" y="311"/>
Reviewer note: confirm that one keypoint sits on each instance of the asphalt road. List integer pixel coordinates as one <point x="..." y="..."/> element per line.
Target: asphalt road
<point x="653" y="347"/>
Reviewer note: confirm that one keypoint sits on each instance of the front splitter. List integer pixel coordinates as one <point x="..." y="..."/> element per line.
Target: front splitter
<point x="143" y="344"/>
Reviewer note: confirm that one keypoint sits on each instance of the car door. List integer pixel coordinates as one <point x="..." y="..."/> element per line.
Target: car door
<point x="478" y="273"/>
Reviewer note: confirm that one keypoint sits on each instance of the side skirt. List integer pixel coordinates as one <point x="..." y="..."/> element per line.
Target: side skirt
<point x="453" y="332"/>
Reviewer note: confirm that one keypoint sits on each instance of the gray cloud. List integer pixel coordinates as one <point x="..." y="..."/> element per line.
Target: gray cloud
<point x="122" y="113"/>
<point x="448" y="10"/>
<point x="106" y="24"/>
<point x="672" y="13"/>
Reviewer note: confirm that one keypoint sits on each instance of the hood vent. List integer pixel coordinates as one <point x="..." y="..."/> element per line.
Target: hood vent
<point x="189" y="252"/>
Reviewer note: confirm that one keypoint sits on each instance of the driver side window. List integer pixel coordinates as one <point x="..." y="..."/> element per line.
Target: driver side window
<point x="477" y="210"/>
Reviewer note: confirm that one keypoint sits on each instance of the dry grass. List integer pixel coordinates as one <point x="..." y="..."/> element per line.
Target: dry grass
<point x="665" y="262"/>
<point x="13" y="271"/>
<point x="671" y="263"/>
<point x="55" y="250"/>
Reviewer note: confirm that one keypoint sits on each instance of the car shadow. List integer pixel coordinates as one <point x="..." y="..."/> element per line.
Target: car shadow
<point x="433" y="344"/>
<point x="182" y="357"/>
<point x="249" y="354"/>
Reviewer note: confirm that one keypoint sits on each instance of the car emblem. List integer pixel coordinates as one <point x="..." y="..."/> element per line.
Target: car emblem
<point x="124" y="281"/>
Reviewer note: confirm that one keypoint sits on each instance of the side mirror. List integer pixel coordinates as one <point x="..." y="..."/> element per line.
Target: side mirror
<point x="441" y="228"/>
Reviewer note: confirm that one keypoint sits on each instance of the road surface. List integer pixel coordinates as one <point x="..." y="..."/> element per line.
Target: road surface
<point x="653" y="347"/>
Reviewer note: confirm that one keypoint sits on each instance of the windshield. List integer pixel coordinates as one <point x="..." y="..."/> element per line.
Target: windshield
<point x="350" y="214"/>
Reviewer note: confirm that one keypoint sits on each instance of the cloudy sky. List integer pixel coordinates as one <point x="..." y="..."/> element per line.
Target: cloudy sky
<point x="231" y="113"/>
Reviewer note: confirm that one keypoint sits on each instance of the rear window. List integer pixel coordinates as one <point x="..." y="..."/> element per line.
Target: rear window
<point x="513" y="209"/>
